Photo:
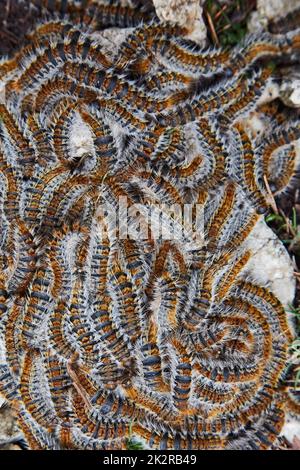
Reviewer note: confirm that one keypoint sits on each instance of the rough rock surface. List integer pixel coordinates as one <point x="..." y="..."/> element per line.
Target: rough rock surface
<point x="291" y="428"/>
<point x="8" y="429"/>
<point x="270" y="264"/>
<point x="290" y="93"/>
<point x="186" y="13"/>
<point x="270" y="10"/>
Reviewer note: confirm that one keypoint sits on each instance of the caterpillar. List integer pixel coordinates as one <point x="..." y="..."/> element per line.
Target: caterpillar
<point x="109" y="332"/>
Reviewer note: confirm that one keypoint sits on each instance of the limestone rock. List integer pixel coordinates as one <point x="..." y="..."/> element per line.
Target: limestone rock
<point x="270" y="264"/>
<point x="291" y="428"/>
<point x="272" y="9"/>
<point x="186" y="13"/>
<point x="269" y="10"/>
<point x="290" y="93"/>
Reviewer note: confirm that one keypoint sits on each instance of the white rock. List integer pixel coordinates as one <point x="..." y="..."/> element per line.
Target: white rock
<point x="186" y="13"/>
<point x="256" y="22"/>
<point x="270" y="93"/>
<point x="268" y="10"/>
<point x="271" y="9"/>
<point x="2" y="94"/>
<point x="255" y="124"/>
<point x="297" y="148"/>
<point x="291" y="428"/>
<point x="270" y="265"/>
<point x="290" y="92"/>
<point x="80" y="138"/>
<point x="2" y="361"/>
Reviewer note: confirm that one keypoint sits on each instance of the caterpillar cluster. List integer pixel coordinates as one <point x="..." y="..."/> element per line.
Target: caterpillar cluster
<point x="163" y="338"/>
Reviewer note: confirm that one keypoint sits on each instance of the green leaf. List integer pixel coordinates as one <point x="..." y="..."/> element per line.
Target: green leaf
<point x="274" y="217"/>
<point x="133" y="444"/>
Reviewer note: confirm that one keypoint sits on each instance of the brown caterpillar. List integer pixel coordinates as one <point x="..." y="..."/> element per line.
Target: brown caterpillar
<point x="112" y="334"/>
